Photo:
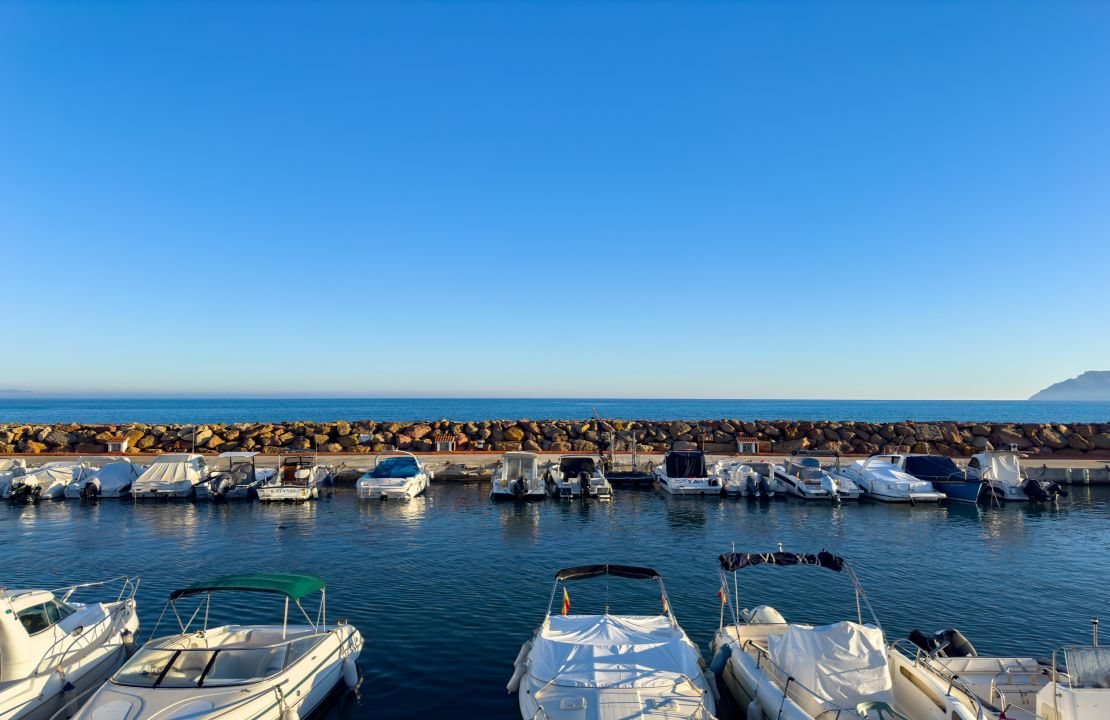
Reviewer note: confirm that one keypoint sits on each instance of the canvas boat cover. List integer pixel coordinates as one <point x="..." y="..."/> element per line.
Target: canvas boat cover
<point x="165" y="472"/>
<point x="685" y="464"/>
<point x="395" y="467"/>
<point x="888" y="473"/>
<point x="607" y="651"/>
<point x="933" y="467"/>
<point x="844" y="663"/>
<point x="1003" y="467"/>
<point x="113" y="475"/>
<point x="49" y="475"/>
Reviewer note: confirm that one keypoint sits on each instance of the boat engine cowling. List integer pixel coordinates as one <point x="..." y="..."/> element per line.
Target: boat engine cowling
<point x="91" y="491"/>
<point x="1035" y="490"/>
<point x="945" y="643"/>
<point x="24" y="494"/>
<point x="520" y="487"/>
<point x="584" y="480"/>
<point x="767" y="615"/>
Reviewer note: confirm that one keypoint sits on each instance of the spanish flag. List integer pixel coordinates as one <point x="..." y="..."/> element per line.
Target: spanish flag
<point x="566" y="602"/>
<point x="721" y="595"/>
<point x="666" y="607"/>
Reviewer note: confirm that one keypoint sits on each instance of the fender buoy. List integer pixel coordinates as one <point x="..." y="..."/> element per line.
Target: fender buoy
<point x="755" y="712"/>
<point x="350" y="673"/>
<point x="290" y="714"/>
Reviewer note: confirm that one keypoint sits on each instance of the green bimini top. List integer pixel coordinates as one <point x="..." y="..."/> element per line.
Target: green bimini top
<point x="291" y="585"/>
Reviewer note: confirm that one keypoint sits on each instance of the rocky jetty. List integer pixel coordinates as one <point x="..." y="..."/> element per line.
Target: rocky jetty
<point x="720" y="436"/>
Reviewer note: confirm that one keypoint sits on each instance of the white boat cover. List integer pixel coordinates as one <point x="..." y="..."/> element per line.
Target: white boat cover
<point x="49" y="475"/>
<point x="891" y="476"/>
<point x="845" y="663"/>
<point x="607" y="651"/>
<point x="168" y="471"/>
<point x="113" y="476"/>
<point x="1004" y="467"/>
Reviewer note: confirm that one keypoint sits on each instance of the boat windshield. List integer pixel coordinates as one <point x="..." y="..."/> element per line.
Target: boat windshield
<point x="1088" y="667"/>
<point x="203" y="667"/>
<point x="517" y="467"/>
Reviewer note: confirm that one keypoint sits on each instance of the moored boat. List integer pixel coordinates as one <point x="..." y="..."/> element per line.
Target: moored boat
<point x="10" y="468"/>
<point x="610" y="666"/>
<point x="517" y="477"/>
<point x="803" y="476"/>
<point x="277" y="671"/>
<point x="684" y="472"/>
<point x="942" y="472"/>
<point x="299" y="478"/>
<point x="1003" y="478"/>
<point x="113" y="479"/>
<point x="46" y="482"/>
<point x="239" y="480"/>
<point x="397" y="475"/>
<point x="172" y="476"/>
<point x="882" y="478"/>
<point x="55" y="650"/>
<point x="577" y="476"/>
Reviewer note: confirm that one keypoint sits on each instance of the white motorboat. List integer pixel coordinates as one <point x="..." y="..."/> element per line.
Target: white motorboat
<point x="750" y="478"/>
<point x="882" y="478"/>
<point x="171" y="476"/>
<point x="517" y="477"/>
<point x="786" y="671"/>
<point x="10" y="468"/>
<point x="611" y="666"/>
<point x="111" y="480"/>
<point x="234" y="672"/>
<point x="1004" y="479"/>
<point x="397" y="475"/>
<point x="46" y="482"/>
<point x="577" y="476"/>
<point x="239" y="480"/>
<point x="299" y="478"/>
<point x="55" y="650"/>
<point x="1074" y="684"/>
<point x="684" y="472"/>
<point x="802" y="475"/>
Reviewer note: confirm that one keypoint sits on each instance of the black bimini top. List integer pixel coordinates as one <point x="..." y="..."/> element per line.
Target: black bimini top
<point x="734" y="561"/>
<point x="584" y="572"/>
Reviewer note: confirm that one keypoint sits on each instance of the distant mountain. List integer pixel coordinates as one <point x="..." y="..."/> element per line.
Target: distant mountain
<point x="1091" y="385"/>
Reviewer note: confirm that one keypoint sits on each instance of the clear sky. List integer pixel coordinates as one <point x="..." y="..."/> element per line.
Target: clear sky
<point x="778" y="199"/>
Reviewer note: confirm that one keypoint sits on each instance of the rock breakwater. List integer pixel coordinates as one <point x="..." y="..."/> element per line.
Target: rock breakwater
<point x="957" y="439"/>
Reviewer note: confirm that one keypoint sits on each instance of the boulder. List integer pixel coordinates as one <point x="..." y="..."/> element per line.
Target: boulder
<point x="1078" y="442"/>
<point x="513" y="434"/>
<point x="788" y="446"/>
<point x="31" y="446"/>
<point x="1053" y="439"/>
<point x="1101" y="440"/>
<point x="58" y="438"/>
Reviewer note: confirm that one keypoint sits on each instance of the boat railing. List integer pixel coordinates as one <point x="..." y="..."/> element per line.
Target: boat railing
<point x="77" y="641"/>
<point x="928" y="661"/>
<point x="793" y="689"/>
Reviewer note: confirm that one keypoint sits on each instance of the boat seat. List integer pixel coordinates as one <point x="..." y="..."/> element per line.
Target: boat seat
<point x="878" y="710"/>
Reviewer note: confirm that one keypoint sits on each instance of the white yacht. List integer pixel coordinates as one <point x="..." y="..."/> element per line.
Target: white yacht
<point x="576" y="476"/>
<point x="789" y="671"/>
<point x="1072" y="684"/>
<point x="299" y="478"/>
<point x="610" y="666"/>
<point x="802" y="475"/>
<point x="171" y="476"/>
<point x="684" y="472"/>
<point x="278" y="671"/>
<point x="46" y="482"/>
<point x="111" y="480"/>
<point x="1003" y="479"/>
<point x="882" y="479"/>
<point x="10" y="468"/>
<point x="54" y="650"/>
<point x="239" y="480"/>
<point x="397" y="475"/>
<point x="517" y="477"/>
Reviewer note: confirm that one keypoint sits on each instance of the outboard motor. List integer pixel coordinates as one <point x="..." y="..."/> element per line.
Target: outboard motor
<point x="1034" y="490"/>
<point x="751" y="485"/>
<point x="946" y="643"/>
<point x="520" y="488"/>
<point x="23" y="494"/>
<point x="90" y="493"/>
<point x="584" y="482"/>
<point x="765" y="487"/>
<point x="832" y="487"/>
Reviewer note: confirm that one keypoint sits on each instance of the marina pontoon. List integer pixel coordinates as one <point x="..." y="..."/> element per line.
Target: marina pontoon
<point x="299" y="478"/>
<point x="238" y="481"/>
<point x="684" y="472"/>
<point x="396" y="475"/>
<point x="517" y="477"/>
<point x="1003" y="479"/>
<point x="54" y="650"/>
<point x="278" y="671"/>
<point x="882" y="478"/>
<point x="787" y="671"/>
<point x="46" y="482"/>
<point x="801" y="475"/>
<point x="171" y="476"/>
<point x="111" y="480"/>
<point x="578" y="476"/>
<point x="610" y="666"/>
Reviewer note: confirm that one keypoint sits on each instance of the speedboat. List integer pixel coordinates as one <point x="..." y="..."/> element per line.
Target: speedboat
<point x="46" y="482"/>
<point x="611" y="666"/>
<point x="398" y="475"/>
<point x="1071" y="685"/>
<point x="942" y="472"/>
<point x="1003" y="479"/>
<point x="54" y="650"/>
<point x="279" y="671"/>
<point x="10" y="468"/>
<point x="171" y="476"/>
<point x="238" y="481"/>
<point x="883" y="479"/>
<point x="517" y="477"/>
<point x="110" y="480"/>
<point x="299" y="478"/>
<point x="684" y="472"/>
<point x="801" y="475"/>
<point x="742" y="479"/>
<point x="578" y="476"/>
<point x="790" y="671"/>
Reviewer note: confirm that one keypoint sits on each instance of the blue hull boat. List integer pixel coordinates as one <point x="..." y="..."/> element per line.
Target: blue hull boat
<point x="961" y="490"/>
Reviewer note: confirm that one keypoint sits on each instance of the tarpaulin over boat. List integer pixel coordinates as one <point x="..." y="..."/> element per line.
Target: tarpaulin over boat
<point x="396" y="467"/>
<point x="113" y="475"/>
<point x="168" y="471"/>
<point x="49" y="475"/>
<point x="738" y="561"/>
<point x="933" y="467"/>
<point x="845" y="663"/>
<point x="685" y="464"/>
<point x="572" y="465"/>
<point x="607" y="651"/>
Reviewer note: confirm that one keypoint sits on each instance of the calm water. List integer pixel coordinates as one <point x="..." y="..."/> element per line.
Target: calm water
<point x="447" y="587"/>
<point x="42" y="410"/>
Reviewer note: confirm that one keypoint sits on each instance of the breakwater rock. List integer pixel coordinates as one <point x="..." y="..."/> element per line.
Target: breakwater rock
<point x="720" y="436"/>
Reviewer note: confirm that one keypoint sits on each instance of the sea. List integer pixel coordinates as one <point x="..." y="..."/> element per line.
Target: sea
<point x="19" y="409"/>
<point x="446" y="588"/>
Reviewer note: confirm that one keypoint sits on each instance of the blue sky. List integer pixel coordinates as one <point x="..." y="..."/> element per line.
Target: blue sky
<point x="808" y="200"/>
